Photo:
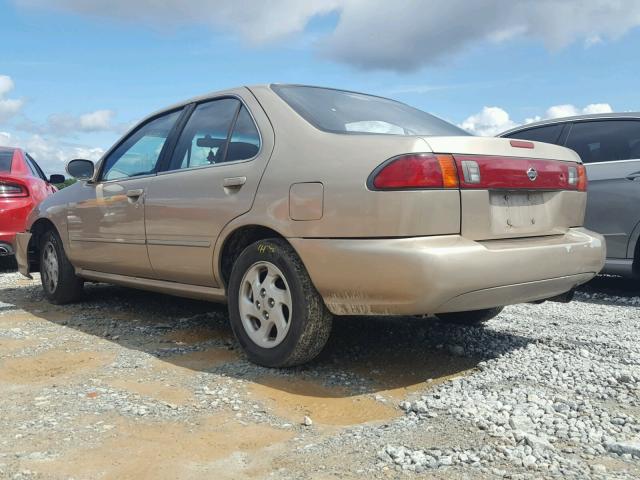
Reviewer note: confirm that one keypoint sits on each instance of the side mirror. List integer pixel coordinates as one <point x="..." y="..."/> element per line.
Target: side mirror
<point x="80" y="169"/>
<point x="56" y="179"/>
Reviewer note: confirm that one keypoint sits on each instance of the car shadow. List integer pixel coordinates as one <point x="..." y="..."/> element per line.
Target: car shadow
<point x="608" y="289"/>
<point x="364" y="354"/>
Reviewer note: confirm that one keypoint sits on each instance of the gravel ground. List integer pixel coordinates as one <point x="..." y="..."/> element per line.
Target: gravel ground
<point x="130" y="384"/>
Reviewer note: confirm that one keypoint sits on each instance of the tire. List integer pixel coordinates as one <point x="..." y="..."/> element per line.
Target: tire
<point x="269" y="289"/>
<point x="470" y="318"/>
<point x="59" y="281"/>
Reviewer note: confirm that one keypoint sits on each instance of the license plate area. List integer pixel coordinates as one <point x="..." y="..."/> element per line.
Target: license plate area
<point x="518" y="211"/>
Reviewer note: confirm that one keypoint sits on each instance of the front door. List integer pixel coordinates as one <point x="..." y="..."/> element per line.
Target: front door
<point x="212" y="178"/>
<point x="610" y="150"/>
<point x="106" y="228"/>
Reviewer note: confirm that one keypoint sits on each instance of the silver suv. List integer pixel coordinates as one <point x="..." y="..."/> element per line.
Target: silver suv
<point x="609" y="145"/>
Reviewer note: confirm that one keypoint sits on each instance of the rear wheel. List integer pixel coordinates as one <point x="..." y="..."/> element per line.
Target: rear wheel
<point x="276" y="313"/>
<point x="472" y="317"/>
<point x="59" y="281"/>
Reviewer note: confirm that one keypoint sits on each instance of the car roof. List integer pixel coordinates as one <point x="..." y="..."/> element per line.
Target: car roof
<point x="575" y="118"/>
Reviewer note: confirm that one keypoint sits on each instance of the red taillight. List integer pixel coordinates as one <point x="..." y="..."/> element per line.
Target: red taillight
<point x="12" y="190"/>
<point x="416" y="170"/>
<point x="485" y="172"/>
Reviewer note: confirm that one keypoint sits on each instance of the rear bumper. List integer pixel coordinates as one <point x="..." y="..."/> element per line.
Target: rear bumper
<point x="22" y="257"/>
<point x="426" y="275"/>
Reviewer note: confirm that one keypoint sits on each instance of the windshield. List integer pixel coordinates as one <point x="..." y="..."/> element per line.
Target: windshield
<point x="339" y="111"/>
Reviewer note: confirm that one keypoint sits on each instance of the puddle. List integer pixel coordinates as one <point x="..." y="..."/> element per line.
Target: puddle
<point x="51" y="364"/>
<point x="217" y="447"/>
<point x="294" y="398"/>
<point x="203" y="360"/>
<point x="397" y="376"/>
<point x="155" y="389"/>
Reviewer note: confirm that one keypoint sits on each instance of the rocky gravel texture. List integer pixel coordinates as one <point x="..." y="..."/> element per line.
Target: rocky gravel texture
<point x="130" y="384"/>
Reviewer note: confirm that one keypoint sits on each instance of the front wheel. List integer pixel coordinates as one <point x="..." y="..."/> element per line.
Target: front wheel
<point x="59" y="281"/>
<point x="276" y="313"/>
<point x="471" y="318"/>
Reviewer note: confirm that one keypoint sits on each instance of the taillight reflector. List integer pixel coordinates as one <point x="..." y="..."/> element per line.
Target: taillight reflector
<point x="12" y="190"/>
<point x="416" y="170"/>
<point x="582" y="178"/>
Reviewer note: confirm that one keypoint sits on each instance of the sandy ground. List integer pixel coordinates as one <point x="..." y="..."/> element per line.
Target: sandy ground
<point x="113" y="388"/>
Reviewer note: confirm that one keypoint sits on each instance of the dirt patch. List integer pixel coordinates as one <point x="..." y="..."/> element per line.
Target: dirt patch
<point x="293" y="399"/>
<point x="12" y="345"/>
<point x="193" y="336"/>
<point x="51" y="364"/>
<point x="216" y="447"/>
<point x="205" y="359"/>
<point x="163" y="391"/>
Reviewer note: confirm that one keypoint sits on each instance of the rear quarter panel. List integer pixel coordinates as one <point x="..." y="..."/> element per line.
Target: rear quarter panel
<point x="342" y="164"/>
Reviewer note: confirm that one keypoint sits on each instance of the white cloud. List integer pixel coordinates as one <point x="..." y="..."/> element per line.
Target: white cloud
<point x="494" y="120"/>
<point x="96" y="121"/>
<point x="568" y="110"/>
<point x="69" y="125"/>
<point x="489" y="122"/>
<point x="378" y="34"/>
<point x="52" y="154"/>
<point x="8" y="106"/>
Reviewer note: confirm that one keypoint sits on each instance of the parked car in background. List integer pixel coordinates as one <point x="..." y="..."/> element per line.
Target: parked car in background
<point x="609" y="146"/>
<point x="23" y="185"/>
<point x="296" y="203"/>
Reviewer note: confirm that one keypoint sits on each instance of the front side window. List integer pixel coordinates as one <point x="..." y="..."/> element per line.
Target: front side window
<point x="605" y="140"/>
<point x="548" y="134"/>
<point x="339" y="111"/>
<point x="35" y="168"/>
<point x="139" y="153"/>
<point x="217" y="132"/>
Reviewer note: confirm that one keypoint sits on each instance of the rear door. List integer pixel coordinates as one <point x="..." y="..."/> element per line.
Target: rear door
<point x="610" y="149"/>
<point x="212" y="177"/>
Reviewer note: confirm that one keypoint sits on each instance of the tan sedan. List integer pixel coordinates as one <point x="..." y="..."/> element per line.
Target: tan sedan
<point x="296" y="203"/>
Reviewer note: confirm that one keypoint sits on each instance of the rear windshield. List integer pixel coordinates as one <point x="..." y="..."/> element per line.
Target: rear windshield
<point x="339" y="111"/>
<point x="5" y="160"/>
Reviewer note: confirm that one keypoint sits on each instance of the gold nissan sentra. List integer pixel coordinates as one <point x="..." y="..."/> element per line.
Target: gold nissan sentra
<point x="295" y="203"/>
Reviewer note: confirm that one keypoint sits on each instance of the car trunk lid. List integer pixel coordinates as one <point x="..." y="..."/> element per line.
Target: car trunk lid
<point x="513" y="188"/>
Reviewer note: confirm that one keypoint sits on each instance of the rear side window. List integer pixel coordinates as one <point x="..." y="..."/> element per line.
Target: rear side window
<point x="245" y="139"/>
<point x="548" y="134"/>
<point x="606" y="140"/>
<point x="6" y="157"/>
<point x="339" y="111"/>
<point x="217" y="132"/>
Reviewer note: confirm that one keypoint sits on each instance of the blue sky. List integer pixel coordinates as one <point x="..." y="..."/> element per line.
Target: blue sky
<point x="78" y="78"/>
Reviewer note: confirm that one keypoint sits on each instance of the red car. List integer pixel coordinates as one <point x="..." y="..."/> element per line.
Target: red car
<point x="23" y="185"/>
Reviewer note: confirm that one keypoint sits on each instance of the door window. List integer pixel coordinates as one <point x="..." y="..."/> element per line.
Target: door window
<point x="35" y="168"/>
<point x="217" y="132"/>
<point x="606" y="140"/>
<point x="140" y="152"/>
<point x="548" y="134"/>
<point x="245" y="139"/>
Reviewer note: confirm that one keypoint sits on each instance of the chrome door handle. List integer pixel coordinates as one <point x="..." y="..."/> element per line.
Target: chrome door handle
<point x="633" y="176"/>
<point x="135" y="193"/>
<point x="231" y="182"/>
